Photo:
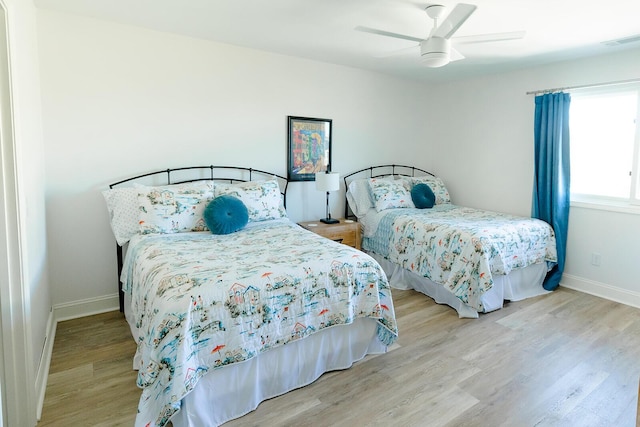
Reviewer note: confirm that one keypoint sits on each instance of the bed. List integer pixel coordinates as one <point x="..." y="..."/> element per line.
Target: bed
<point x="473" y="260"/>
<point x="228" y="312"/>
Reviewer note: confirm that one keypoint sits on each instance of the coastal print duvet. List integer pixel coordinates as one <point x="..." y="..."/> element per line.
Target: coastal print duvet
<point x="462" y="248"/>
<point x="202" y="301"/>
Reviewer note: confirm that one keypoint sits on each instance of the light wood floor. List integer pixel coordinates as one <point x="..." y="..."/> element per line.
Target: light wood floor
<point x="563" y="359"/>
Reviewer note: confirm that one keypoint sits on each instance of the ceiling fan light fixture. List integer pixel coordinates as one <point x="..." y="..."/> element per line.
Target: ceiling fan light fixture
<point x="435" y="59"/>
<point x="435" y="52"/>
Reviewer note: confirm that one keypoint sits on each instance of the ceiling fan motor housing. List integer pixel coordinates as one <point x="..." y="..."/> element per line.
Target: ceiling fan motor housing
<point x="434" y="51"/>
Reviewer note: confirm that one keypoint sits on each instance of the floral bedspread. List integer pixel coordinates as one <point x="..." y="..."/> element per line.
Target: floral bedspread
<point x="203" y="301"/>
<point x="462" y="248"/>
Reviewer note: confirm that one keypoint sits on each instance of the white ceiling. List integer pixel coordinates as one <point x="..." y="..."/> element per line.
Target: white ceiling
<point x="323" y="30"/>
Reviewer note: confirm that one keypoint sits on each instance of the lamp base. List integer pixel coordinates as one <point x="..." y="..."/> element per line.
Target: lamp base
<point x="329" y="220"/>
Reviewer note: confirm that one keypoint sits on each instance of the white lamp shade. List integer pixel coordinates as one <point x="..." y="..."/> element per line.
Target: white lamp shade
<point x="327" y="181"/>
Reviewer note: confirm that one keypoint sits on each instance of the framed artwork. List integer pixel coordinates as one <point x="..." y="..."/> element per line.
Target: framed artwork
<point x="309" y="143"/>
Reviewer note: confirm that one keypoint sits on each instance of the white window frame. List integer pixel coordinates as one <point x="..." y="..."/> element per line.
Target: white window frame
<point x="635" y="176"/>
<point x="632" y="203"/>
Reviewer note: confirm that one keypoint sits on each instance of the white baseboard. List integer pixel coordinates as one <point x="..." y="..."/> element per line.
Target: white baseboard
<point x="86" y="307"/>
<point x="601" y="290"/>
<point x="45" y="363"/>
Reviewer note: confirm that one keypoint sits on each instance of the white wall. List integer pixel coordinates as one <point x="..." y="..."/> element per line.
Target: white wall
<point x="484" y="138"/>
<point x="120" y="101"/>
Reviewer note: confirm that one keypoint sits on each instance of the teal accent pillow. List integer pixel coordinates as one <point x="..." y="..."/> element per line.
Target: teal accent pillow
<point x="226" y="214"/>
<point x="422" y="196"/>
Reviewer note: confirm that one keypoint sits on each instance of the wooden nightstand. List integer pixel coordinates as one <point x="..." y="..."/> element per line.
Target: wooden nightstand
<point x="346" y="232"/>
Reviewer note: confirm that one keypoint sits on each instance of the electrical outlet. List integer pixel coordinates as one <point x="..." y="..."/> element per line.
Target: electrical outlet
<point x="595" y="259"/>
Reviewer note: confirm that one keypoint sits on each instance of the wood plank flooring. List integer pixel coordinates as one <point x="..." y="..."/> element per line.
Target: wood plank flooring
<point x="563" y="359"/>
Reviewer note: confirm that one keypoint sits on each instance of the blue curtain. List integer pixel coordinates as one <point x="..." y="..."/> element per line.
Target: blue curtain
<point x="551" y="181"/>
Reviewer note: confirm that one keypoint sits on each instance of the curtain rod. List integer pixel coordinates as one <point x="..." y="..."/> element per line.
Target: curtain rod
<point x="619" y="82"/>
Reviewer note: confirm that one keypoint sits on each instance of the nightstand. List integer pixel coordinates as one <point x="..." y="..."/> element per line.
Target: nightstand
<point x="346" y="232"/>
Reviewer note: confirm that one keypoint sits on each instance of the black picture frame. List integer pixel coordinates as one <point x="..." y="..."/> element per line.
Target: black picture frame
<point x="309" y="147"/>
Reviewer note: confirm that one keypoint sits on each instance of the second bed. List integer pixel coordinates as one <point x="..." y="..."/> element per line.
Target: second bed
<point x="470" y="259"/>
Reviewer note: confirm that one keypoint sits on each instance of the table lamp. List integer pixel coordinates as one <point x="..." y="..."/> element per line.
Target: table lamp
<point x="328" y="181"/>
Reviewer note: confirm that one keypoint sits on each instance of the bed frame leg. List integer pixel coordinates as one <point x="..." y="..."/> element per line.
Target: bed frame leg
<point x="120" y="291"/>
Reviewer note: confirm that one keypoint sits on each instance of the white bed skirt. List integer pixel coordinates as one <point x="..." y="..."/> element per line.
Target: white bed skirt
<point x="235" y="390"/>
<point x="515" y="286"/>
<point x="276" y="372"/>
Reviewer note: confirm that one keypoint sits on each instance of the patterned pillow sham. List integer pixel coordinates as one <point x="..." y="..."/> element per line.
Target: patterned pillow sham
<point x="173" y="208"/>
<point x="436" y="185"/>
<point x="359" y="195"/>
<point x="389" y="194"/>
<point x="122" y="204"/>
<point x="262" y="198"/>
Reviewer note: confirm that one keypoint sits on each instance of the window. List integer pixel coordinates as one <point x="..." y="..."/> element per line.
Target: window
<point x="605" y="145"/>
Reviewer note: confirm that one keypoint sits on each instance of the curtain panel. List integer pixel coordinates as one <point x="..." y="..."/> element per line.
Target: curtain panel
<point x="551" y="195"/>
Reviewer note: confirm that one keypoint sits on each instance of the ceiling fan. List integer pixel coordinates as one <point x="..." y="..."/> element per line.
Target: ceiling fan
<point x="436" y="49"/>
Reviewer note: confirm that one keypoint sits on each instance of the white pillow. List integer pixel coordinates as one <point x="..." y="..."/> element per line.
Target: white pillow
<point x="390" y="194"/>
<point x="122" y="204"/>
<point x="436" y="185"/>
<point x="262" y="198"/>
<point x="359" y="197"/>
<point x="173" y="208"/>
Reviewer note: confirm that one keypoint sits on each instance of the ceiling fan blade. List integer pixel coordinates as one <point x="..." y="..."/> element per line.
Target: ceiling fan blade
<point x="454" y="55"/>
<point x="493" y="37"/>
<point x="386" y="33"/>
<point x="414" y="50"/>
<point x="456" y="18"/>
